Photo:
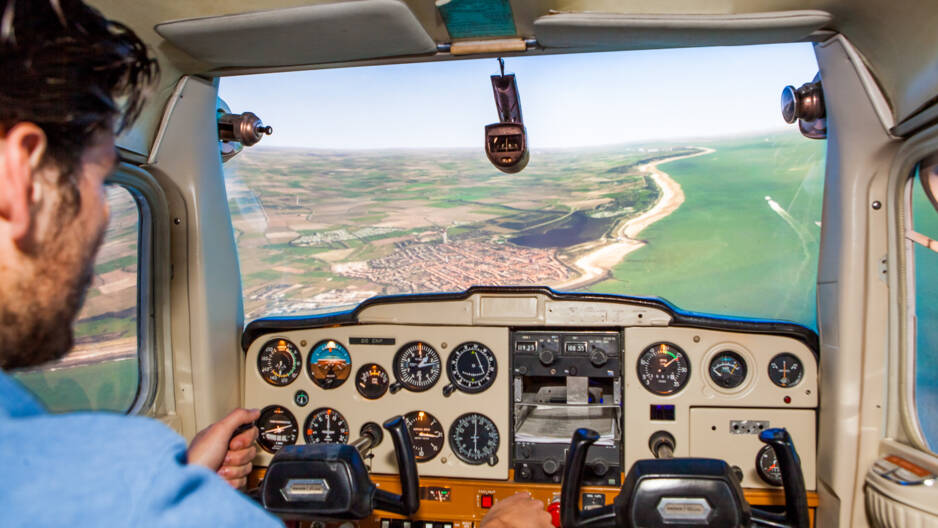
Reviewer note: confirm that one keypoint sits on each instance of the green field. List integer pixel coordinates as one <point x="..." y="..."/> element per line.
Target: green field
<point x="725" y="251"/>
<point x="105" y="386"/>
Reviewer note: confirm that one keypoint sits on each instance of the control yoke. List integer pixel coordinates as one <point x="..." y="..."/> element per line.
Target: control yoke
<point x="408" y="501"/>
<point x="664" y="492"/>
<point x="570" y="514"/>
<point x="323" y="482"/>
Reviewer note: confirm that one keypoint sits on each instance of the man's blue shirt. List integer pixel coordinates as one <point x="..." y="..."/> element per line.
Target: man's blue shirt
<point x="100" y="469"/>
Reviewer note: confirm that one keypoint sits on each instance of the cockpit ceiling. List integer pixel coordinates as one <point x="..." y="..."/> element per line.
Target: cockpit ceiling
<point x="896" y="39"/>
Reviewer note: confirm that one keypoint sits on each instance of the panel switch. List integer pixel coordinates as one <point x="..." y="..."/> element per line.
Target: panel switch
<point x="486" y="500"/>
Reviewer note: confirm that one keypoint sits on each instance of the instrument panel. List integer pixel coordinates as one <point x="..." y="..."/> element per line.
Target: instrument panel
<point x="490" y="384"/>
<point x="432" y="375"/>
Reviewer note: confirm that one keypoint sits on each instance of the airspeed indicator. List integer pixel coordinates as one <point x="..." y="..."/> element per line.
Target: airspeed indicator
<point x="279" y="362"/>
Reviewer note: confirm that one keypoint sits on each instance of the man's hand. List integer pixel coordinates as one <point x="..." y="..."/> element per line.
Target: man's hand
<point x="517" y="511"/>
<point x="231" y="458"/>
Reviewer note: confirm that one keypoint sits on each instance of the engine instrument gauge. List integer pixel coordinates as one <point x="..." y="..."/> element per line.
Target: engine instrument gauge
<point x="279" y="362"/>
<point x="728" y="369"/>
<point x="785" y="370"/>
<point x="471" y="367"/>
<point x="663" y="368"/>
<point x="371" y="381"/>
<point x="426" y="434"/>
<point x="329" y="364"/>
<point x="767" y="466"/>
<point x="325" y="426"/>
<point x="417" y="366"/>
<point x="474" y="439"/>
<point x="277" y="428"/>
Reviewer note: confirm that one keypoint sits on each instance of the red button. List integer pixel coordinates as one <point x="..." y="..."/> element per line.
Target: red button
<point x="554" y="510"/>
<point x="486" y="501"/>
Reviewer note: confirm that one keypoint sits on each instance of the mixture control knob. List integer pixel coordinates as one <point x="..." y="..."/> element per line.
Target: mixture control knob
<point x="662" y="444"/>
<point x="550" y="466"/>
<point x="599" y="467"/>
<point x="546" y="357"/>
<point x="598" y="358"/>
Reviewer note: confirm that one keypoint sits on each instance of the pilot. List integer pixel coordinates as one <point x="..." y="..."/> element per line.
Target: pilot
<point x="70" y="80"/>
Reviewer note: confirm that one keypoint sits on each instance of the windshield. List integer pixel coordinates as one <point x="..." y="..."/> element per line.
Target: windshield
<point x="657" y="173"/>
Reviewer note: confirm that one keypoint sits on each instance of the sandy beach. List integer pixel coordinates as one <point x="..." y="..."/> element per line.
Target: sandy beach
<point x="598" y="263"/>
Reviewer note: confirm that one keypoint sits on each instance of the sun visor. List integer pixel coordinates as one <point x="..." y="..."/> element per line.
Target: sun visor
<point x="623" y="31"/>
<point x="312" y="34"/>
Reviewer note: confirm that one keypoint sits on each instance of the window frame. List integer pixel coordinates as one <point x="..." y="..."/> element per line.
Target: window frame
<point x="138" y="183"/>
<point x="911" y="425"/>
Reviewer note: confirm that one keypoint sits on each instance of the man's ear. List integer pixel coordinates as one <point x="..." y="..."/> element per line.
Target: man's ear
<point x="21" y="152"/>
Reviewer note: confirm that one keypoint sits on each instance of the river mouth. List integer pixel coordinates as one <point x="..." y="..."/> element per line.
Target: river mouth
<point x="575" y="229"/>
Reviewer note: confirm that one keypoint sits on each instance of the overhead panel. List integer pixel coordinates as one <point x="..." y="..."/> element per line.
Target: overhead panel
<point x="627" y="31"/>
<point x="312" y="34"/>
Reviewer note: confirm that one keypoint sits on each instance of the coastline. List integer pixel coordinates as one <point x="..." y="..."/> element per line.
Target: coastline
<point x="598" y="263"/>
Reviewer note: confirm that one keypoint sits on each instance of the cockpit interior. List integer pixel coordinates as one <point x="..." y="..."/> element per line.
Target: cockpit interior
<point x="657" y="264"/>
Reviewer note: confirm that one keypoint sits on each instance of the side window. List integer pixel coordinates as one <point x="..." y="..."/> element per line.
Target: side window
<point x="102" y="371"/>
<point x="921" y="238"/>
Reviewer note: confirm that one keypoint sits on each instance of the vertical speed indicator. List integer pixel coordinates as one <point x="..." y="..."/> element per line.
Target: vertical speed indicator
<point x="426" y="434"/>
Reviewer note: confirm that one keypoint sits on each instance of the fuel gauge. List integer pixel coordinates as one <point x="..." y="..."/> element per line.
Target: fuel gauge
<point x="785" y="370"/>
<point x="728" y="369"/>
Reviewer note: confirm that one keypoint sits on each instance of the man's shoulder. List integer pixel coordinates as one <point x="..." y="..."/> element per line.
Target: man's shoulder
<point x="88" y="434"/>
<point x="87" y="468"/>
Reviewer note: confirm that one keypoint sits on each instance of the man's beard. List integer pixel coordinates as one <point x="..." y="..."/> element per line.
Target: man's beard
<point x="37" y="312"/>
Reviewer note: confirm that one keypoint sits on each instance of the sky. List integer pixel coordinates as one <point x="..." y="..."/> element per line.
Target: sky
<point x="572" y="100"/>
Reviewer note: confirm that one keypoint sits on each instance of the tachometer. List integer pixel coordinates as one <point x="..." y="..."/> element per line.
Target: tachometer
<point x="785" y="370"/>
<point x="329" y="364"/>
<point x="663" y="368"/>
<point x="471" y="367"/>
<point x="417" y="366"/>
<point x="426" y="434"/>
<point x="325" y="426"/>
<point x="728" y="369"/>
<point x="279" y="362"/>
<point x="277" y="428"/>
<point x="371" y="381"/>
<point x="474" y="439"/>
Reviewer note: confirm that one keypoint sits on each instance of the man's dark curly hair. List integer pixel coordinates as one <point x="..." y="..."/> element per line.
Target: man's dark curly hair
<point x="72" y="72"/>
